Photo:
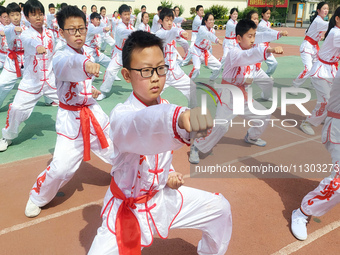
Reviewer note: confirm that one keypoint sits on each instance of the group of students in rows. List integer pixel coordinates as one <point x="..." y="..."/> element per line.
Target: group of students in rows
<point x="139" y="136"/>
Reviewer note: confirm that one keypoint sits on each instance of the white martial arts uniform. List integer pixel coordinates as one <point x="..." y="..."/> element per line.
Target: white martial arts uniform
<point x="270" y="61"/>
<point x="143" y="139"/>
<point x="181" y="41"/>
<point x="309" y="48"/>
<point x="327" y="194"/>
<point x="3" y="48"/>
<point x="197" y="22"/>
<point x="14" y="62"/>
<point x="122" y="33"/>
<point x="106" y="38"/>
<point x="114" y="24"/>
<point x="144" y="27"/>
<point x="239" y="66"/>
<point x="38" y="79"/>
<point x="138" y="20"/>
<point x="229" y="41"/>
<point x="201" y="53"/>
<point x="74" y="90"/>
<point x="155" y="25"/>
<point x="92" y="41"/>
<point x="176" y="76"/>
<point x="323" y="73"/>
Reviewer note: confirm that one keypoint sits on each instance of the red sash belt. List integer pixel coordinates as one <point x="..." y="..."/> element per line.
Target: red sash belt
<point x="85" y="116"/>
<point x="128" y="232"/>
<point x="194" y="31"/>
<point x="206" y="54"/>
<point x="333" y="115"/>
<point x="230" y="38"/>
<point x="328" y="63"/>
<point x="312" y="42"/>
<point x="118" y="48"/>
<point x="14" y="56"/>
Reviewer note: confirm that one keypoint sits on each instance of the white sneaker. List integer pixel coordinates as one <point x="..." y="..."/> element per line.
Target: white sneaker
<point x="298" y="225"/>
<point x="265" y="98"/>
<point x="101" y="97"/>
<point x="258" y="141"/>
<point x="306" y="127"/>
<point x="194" y="157"/>
<point x="32" y="210"/>
<point x="117" y="78"/>
<point x="4" y="143"/>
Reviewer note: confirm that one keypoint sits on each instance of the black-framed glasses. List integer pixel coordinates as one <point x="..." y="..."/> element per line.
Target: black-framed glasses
<point x="147" y="72"/>
<point x="73" y="31"/>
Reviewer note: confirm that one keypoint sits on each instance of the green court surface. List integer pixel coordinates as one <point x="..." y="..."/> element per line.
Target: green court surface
<point x="37" y="134"/>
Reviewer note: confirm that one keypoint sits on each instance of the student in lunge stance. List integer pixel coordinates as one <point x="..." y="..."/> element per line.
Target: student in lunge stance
<point x="146" y="195"/>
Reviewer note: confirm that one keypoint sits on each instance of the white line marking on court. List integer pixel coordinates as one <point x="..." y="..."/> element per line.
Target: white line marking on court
<point x="297" y="245"/>
<point x="291" y="132"/>
<point x="46" y="218"/>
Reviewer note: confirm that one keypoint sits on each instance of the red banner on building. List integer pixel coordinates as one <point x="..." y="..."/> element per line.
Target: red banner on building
<point x="268" y="3"/>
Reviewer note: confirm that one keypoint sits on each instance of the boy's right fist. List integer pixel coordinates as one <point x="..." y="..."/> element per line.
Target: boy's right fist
<point x="278" y="50"/>
<point x="106" y="29"/>
<point x="41" y="50"/>
<point x="193" y="120"/>
<point x="92" y="68"/>
<point x="2" y="33"/>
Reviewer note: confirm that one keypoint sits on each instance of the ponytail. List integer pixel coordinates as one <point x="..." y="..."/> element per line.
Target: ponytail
<point x="332" y="22"/>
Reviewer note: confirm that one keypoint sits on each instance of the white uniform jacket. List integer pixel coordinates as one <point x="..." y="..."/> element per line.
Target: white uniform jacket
<point x="141" y="163"/>
<point x="92" y="38"/>
<point x="170" y="52"/>
<point x="240" y="64"/>
<point x="144" y="27"/>
<point x="155" y="25"/>
<point x="38" y="68"/>
<point x="230" y="34"/>
<point x="74" y="87"/>
<point x="122" y="33"/>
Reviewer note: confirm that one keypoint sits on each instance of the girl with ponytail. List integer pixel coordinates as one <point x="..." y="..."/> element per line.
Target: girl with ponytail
<point x="316" y="202"/>
<point x="229" y="41"/>
<point x="323" y="73"/>
<point x="309" y="47"/>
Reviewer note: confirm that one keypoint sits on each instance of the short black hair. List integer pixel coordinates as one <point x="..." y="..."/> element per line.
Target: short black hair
<point x="67" y="12"/>
<point x="31" y="6"/>
<point x="243" y="26"/>
<point x="166" y="12"/>
<point x="159" y="8"/>
<point x="249" y="14"/>
<point x="83" y="6"/>
<point x="123" y="8"/>
<point x="13" y="7"/>
<point x="265" y="9"/>
<point x="143" y="15"/>
<point x="2" y="10"/>
<point x="63" y="5"/>
<point x="206" y="17"/>
<point x="51" y="6"/>
<point x="93" y="6"/>
<point x="143" y="6"/>
<point x="198" y="7"/>
<point x="95" y="15"/>
<point x="102" y="8"/>
<point x="139" y="40"/>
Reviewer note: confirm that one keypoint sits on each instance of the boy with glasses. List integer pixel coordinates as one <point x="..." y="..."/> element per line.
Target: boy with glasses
<point x="146" y="194"/>
<point x="81" y="124"/>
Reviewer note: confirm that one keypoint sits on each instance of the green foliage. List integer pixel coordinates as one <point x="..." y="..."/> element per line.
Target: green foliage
<point x="219" y="11"/>
<point x="2" y="2"/>
<point x="166" y="4"/>
<point x="136" y="11"/>
<point x="243" y="14"/>
<point x="193" y="11"/>
<point x="181" y="9"/>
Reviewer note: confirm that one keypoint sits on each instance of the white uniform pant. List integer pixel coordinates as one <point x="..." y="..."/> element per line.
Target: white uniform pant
<point x="308" y="60"/>
<point x="272" y="64"/>
<point x="213" y="64"/>
<point x="201" y="210"/>
<point x="327" y="194"/>
<point x="7" y="83"/>
<point x="21" y="109"/>
<point x="110" y="75"/>
<point x="224" y="113"/>
<point x="322" y="88"/>
<point x="264" y="82"/>
<point x="183" y="84"/>
<point x="68" y="155"/>
<point x="107" y="40"/>
<point x="188" y="56"/>
<point x="2" y="60"/>
<point x="102" y="59"/>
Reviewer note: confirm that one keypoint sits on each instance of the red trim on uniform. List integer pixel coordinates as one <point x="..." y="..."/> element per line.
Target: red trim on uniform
<point x="333" y="115"/>
<point x="13" y="55"/>
<point x="328" y="63"/>
<point x="312" y="42"/>
<point x="265" y="53"/>
<point x="174" y="125"/>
